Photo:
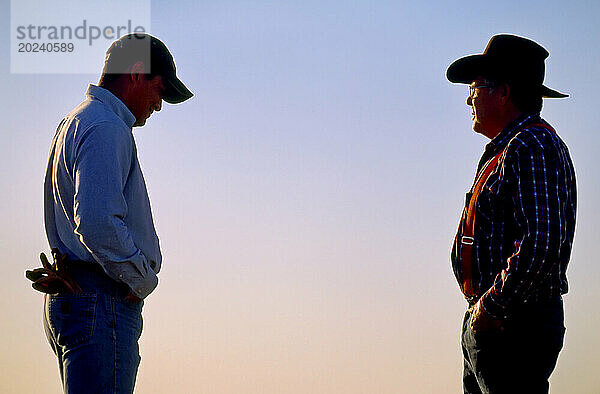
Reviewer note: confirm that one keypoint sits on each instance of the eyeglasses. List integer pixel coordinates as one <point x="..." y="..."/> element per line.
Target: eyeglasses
<point x="472" y="88"/>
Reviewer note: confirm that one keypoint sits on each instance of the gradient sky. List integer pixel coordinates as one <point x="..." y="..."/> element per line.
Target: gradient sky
<point x="307" y="196"/>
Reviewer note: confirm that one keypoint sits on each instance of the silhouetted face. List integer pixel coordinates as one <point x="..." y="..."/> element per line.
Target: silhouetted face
<point x="483" y="103"/>
<point x="146" y="98"/>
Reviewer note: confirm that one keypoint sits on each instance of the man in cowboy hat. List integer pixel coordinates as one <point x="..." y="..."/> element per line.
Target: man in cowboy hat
<point x="514" y="239"/>
<point x="99" y="221"/>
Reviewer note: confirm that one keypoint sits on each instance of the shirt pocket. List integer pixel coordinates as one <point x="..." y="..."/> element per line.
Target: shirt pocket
<point x="72" y="318"/>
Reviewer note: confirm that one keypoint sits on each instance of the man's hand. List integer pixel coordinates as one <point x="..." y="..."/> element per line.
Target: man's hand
<point x="131" y="297"/>
<point x="53" y="278"/>
<point x="481" y="321"/>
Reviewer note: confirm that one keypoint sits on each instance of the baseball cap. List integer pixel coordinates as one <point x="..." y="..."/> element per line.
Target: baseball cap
<point x="153" y="53"/>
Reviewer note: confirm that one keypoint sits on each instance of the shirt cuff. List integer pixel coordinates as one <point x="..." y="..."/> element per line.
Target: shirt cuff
<point x="135" y="272"/>
<point x="493" y="307"/>
<point x="142" y="287"/>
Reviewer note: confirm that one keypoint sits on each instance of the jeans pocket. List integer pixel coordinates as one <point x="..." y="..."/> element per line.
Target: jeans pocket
<point x="72" y="318"/>
<point x="129" y="315"/>
<point x="492" y="337"/>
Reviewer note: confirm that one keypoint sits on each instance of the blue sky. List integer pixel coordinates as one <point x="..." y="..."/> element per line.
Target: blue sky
<point x="307" y="196"/>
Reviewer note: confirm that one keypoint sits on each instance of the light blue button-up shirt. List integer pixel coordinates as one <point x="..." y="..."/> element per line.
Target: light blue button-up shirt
<point x="96" y="204"/>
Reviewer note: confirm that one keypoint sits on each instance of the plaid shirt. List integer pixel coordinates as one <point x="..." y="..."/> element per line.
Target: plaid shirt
<point x="525" y="220"/>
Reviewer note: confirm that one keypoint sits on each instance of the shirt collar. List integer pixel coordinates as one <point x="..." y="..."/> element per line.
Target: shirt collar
<point x="113" y="102"/>
<point x="510" y="130"/>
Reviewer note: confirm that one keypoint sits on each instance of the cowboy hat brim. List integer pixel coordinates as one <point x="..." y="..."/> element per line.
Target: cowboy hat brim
<point x="466" y="69"/>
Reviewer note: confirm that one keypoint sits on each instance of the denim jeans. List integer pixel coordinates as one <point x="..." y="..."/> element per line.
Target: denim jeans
<point x="94" y="335"/>
<point x="517" y="359"/>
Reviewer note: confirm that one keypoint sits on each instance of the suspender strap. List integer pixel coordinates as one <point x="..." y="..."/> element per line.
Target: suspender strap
<point x="468" y="235"/>
<point x="469" y="224"/>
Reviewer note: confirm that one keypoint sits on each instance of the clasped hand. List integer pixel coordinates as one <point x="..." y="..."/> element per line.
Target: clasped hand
<point x="481" y="321"/>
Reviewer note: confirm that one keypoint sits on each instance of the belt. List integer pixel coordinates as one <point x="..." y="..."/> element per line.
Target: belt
<point x="91" y="277"/>
<point x="74" y="265"/>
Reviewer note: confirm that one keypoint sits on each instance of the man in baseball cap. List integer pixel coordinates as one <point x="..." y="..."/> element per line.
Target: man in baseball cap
<point x="514" y="239"/>
<point x="156" y="58"/>
<point x="99" y="220"/>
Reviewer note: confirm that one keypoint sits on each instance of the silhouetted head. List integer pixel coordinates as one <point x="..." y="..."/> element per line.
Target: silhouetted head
<point x="507" y="79"/>
<point x="139" y="69"/>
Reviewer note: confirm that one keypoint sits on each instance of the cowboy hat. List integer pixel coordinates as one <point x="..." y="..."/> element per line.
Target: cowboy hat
<point x="512" y="59"/>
